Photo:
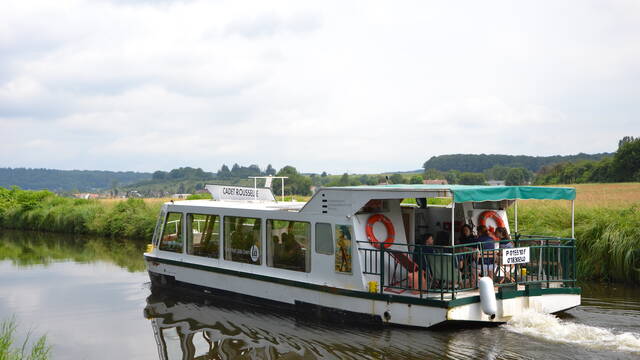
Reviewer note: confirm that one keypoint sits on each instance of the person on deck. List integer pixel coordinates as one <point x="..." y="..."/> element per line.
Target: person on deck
<point x="466" y="235"/>
<point x="487" y="246"/>
<point x="504" y="238"/>
<point x="426" y="244"/>
<point x="505" y="243"/>
<point x="467" y="263"/>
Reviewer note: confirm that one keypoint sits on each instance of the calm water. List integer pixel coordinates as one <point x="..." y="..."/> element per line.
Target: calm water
<point x="92" y="299"/>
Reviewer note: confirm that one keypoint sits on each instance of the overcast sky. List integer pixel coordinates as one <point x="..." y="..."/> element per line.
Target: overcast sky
<point x="336" y="86"/>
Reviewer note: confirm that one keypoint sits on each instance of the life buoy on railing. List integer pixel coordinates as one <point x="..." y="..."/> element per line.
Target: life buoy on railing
<point x="391" y="232"/>
<point x="482" y="220"/>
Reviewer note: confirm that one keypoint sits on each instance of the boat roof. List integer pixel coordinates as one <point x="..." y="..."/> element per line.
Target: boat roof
<point x="243" y="204"/>
<point x="347" y="200"/>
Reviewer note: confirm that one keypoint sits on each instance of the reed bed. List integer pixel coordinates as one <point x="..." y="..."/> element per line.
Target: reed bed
<point x="39" y="350"/>
<point x="44" y="211"/>
<point x="607" y="228"/>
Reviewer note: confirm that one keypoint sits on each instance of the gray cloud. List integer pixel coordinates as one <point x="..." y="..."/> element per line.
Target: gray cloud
<point x="339" y="87"/>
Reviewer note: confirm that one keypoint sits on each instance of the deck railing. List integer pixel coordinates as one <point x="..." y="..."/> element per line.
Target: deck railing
<point x="444" y="271"/>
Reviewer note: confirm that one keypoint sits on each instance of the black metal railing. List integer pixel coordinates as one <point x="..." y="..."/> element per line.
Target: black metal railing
<point x="444" y="271"/>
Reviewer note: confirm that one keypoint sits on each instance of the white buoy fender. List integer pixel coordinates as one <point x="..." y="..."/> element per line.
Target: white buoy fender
<point x="487" y="296"/>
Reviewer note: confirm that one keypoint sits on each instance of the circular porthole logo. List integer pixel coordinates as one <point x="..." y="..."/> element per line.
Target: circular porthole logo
<point x="255" y="253"/>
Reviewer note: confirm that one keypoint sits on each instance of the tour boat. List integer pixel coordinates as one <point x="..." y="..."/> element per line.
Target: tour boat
<point x="356" y="253"/>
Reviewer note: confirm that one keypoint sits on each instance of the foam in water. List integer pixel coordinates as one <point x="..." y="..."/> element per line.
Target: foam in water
<point x="549" y="327"/>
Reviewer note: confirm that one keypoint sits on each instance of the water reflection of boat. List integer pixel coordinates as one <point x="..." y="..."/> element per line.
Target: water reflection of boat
<point x="188" y="327"/>
<point x="361" y="253"/>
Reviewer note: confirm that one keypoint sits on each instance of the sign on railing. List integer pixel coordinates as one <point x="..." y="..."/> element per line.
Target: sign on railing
<point x="515" y="256"/>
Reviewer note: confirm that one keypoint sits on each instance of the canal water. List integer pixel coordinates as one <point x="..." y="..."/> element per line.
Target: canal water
<point x="92" y="299"/>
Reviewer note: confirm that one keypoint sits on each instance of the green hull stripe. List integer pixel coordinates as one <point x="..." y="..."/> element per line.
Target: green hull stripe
<point x="446" y="304"/>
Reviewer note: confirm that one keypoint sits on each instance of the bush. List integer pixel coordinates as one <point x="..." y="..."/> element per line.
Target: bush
<point x="44" y="211"/>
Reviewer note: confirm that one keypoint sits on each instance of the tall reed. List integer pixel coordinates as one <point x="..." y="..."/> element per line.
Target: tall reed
<point x="38" y="351"/>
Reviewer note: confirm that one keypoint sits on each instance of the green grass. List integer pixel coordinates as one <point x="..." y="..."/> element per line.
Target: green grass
<point x="39" y="350"/>
<point x="607" y="238"/>
<point x="44" y="211"/>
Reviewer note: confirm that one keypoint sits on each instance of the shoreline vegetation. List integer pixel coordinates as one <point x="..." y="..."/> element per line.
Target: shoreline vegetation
<point x="39" y="350"/>
<point x="607" y="222"/>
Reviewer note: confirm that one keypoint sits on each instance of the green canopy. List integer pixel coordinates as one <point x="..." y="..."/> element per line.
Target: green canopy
<point x="495" y="193"/>
<point x="477" y="193"/>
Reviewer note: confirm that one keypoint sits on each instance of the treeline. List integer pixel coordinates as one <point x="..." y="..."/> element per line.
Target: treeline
<point x="67" y="180"/>
<point x="623" y="166"/>
<point x="478" y="163"/>
<point x="191" y="180"/>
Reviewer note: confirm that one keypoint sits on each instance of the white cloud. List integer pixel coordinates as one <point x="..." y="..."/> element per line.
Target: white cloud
<point x="139" y="85"/>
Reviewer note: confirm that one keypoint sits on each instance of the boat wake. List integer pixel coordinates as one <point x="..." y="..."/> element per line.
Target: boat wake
<point x="551" y="328"/>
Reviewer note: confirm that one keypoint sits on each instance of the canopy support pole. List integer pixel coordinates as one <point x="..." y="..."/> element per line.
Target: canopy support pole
<point x="453" y="219"/>
<point x="573" y="230"/>
<point x="516" y="215"/>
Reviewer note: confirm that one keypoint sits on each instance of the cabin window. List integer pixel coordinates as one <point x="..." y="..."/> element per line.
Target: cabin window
<point x="288" y="245"/>
<point x="343" y="248"/>
<point x="242" y="239"/>
<point x="172" y="233"/>
<point x="324" y="239"/>
<point x="203" y="235"/>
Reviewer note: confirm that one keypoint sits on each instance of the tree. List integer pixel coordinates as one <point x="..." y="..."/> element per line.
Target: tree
<point x="344" y="180"/>
<point x="469" y="178"/>
<point x="296" y="183"/>
<point x="159" y="175"/>
<point x="626" y="161"/>
<point x="452" y="176"/>
<point x="396" y="179"/>
<point x="416" y="179"/>
<point x="224" y="172"/>
<point x="235" y="169"/>
<point x="433" y="174"/>
<point x="514" y="177"/>
<point x="270" y="171"/>
<point x="624" y="140"/>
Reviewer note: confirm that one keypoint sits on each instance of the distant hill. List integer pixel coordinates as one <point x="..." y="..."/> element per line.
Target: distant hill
<point x="66" y="180"/>
<point x="481" y="162"/>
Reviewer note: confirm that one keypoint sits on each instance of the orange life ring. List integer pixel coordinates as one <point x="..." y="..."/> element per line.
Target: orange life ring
<point x="482" y="220"/>
<point x="391" y="232"/>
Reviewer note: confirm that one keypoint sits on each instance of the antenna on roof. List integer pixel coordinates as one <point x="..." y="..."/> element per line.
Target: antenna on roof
<point x="267" y="182"/>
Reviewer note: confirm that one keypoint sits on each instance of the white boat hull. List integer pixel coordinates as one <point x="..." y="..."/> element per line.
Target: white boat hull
<point x="356" y="304"/>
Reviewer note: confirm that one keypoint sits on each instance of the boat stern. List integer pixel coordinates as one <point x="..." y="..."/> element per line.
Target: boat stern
<point x="513" y="303"/>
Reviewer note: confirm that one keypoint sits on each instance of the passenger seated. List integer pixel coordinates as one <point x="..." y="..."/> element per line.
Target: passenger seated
<point x="505" y="243"/>
<point x="487" y="245"/>
<point x="424" y="246"/>
<point x="466" y="235"/>
<point x="504" y="238"/>
<point x="467" y="263"/>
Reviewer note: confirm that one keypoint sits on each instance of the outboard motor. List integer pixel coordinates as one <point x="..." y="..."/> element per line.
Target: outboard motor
<point x="487" y="297"/>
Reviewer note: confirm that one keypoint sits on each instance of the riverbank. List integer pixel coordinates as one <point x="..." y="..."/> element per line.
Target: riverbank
<point x="45" y="211"/>
<point x="607" y="218"/>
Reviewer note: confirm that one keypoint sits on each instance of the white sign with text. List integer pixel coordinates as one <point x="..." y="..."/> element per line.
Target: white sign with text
<point x="223" y="192"/>
<point x="515" y="256"/>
